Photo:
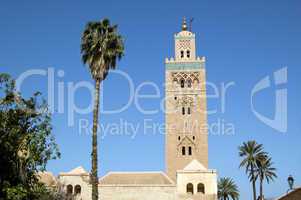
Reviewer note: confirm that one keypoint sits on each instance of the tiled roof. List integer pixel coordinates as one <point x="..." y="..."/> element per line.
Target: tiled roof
<point x="79" y="171"/>
<point x="135" y="178"/>
<point x="293" y="194"/>
<point x="194" y="166"/>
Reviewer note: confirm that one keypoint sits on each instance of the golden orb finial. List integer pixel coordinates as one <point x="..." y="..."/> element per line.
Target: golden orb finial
<point x="184" y="24"/>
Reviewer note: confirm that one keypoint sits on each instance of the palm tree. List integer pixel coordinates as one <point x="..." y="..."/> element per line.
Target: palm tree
<point x="227" y="189"/>
<point x="101" y="46"/>
<point x="251" y="152"/>
<point x="264" y="171"/>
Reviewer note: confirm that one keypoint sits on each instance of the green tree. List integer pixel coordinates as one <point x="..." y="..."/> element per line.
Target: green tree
<point x="44" y="193"/>
<point x="264" y="171"/>
<point x="227" y="189"/>
<point x="26" y="141"/>
<point x="251" y="153"/>
<point x="101" y="46"/>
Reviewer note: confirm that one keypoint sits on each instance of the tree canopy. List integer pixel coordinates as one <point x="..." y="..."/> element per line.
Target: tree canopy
<point x="26" y="142"/>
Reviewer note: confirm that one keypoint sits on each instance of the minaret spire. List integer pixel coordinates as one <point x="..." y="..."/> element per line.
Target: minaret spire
<point x="184" y="24"/>
<point x="185" y="105"/>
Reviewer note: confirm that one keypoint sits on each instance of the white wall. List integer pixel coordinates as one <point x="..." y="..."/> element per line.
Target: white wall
<point x="77" y="180"/>
<point x="137" y="192"/>
<point x="208" y="178"/>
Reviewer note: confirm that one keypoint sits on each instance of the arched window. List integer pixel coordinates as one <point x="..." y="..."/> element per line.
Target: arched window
<point x="201" y="188"/>
<point x="179" y="138"/>
<point x="189" y="83"/>
<point x="182" y="54"/>
<point x="183" y="151"/>
<point x="77" y="189"/>
<point x="189" y="151"/>
<point x="183" y="111"/>
<point x="69" y="189"/>
<point x="182" y="83"/>
<point x="188" y="54"/>
<point x="189" y="188"/>
<point x="188" y="110"/>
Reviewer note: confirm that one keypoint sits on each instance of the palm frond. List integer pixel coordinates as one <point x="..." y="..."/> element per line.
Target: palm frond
<point x="101" y="47"/>
<point x="265" y="170"/>
<point x="227" y="189"/>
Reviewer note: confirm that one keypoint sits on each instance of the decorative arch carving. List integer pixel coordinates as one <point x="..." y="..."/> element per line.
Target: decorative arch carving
<point x="193" y="77"/>
<point x="185" y="101"/>
<point x="186" y="145"/>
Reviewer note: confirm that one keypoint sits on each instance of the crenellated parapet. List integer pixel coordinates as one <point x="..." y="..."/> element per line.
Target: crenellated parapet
<point x="172" y="64"/>
<point x="172" y="60"/>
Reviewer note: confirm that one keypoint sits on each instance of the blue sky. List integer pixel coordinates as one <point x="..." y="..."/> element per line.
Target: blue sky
<point x="244" y="41"/>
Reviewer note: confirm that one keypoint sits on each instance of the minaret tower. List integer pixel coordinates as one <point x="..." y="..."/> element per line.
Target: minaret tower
<point x="186" y="116"/>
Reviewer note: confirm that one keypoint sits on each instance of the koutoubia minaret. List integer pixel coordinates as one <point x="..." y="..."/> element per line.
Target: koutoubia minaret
<point x="186" y="116"/>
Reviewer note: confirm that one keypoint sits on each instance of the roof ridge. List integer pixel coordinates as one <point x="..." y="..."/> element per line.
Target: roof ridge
<point x="134" y="172"/>
<point x="170" y="180"/>
<point x="290" y="192"/>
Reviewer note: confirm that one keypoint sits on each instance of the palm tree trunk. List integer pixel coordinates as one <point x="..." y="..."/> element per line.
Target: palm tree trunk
<point x="253" y="183"/>
<point x="261" y="189"/>
<point x="94" y="177"/>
